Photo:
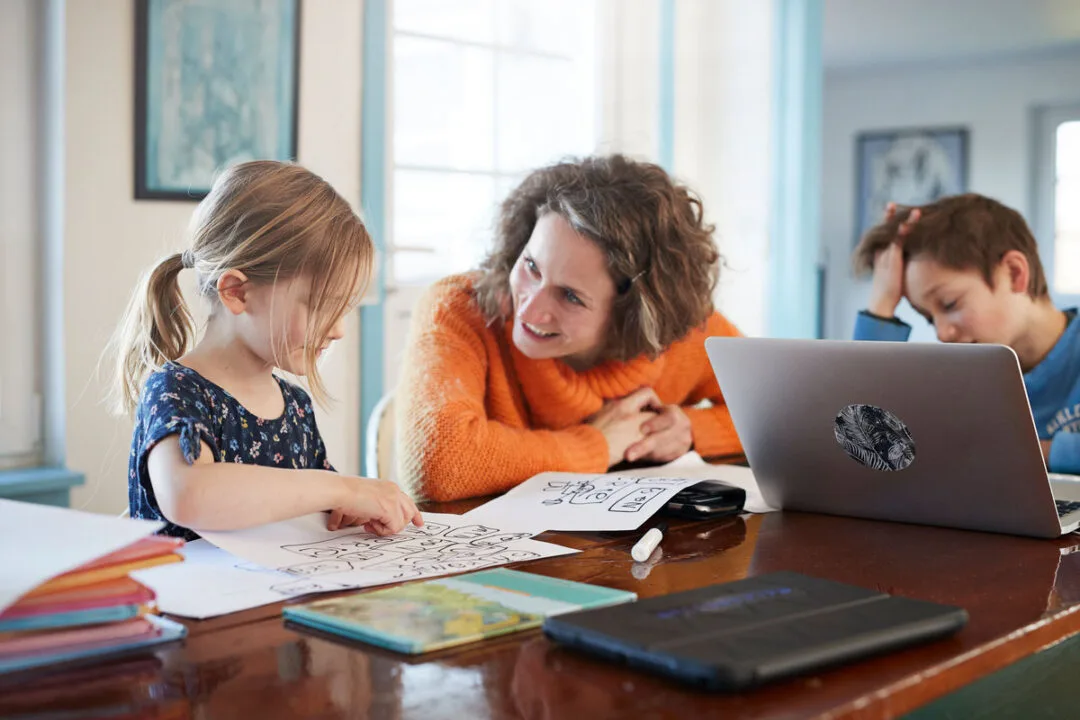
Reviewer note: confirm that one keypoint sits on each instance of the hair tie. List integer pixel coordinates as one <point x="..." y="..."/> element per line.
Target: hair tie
<point x="625" y="287"/>
<point x="187" y="259"/>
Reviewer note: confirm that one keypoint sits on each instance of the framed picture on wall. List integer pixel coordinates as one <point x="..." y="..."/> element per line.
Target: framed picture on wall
<point x="216" y="83"/>
<point x="908" y="167"/>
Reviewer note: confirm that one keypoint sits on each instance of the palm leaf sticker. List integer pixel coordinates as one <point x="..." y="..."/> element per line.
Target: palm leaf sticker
<point x="874" y="437"/>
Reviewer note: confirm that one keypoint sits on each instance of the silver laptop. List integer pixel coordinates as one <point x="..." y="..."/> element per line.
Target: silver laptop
<point x="915" y="432"/>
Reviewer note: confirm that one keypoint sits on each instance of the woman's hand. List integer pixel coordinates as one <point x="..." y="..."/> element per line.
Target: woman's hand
<point x="621" y="421"/>
<point x="667" y="436"/>
<point x="379" y="505"/>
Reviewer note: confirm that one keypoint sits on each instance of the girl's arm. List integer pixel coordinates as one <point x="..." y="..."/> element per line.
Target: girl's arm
<point x="208" y="495"/>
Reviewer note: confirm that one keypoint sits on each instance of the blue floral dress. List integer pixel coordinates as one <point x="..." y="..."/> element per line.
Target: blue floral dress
<point x="176" y="400"/>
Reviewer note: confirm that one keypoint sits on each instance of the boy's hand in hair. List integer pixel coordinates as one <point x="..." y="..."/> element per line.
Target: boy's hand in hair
<point x="888" y="280"/>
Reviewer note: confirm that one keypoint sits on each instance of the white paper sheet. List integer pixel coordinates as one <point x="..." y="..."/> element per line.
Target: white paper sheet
<point x="583" y="501"/>
<point x="612" y="501"/>
<point x="306" y="551"/>
<point x="39" y="542"/>
<point x="736" y="475"/>
<point x="212" y="582"/>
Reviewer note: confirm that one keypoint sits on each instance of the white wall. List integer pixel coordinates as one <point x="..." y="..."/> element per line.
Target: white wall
<point x="19" y="233"/>
<point x="110" y="239"/>
<point x="993" y="99"/>
<point x="724" y="139"/>
<point x="722" y="123"/>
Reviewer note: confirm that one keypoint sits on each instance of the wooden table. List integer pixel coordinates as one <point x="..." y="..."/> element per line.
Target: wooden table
<point x="1022" y="595"/>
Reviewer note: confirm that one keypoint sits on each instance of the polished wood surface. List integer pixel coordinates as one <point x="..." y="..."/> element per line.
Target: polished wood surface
<point x="1021" y="594"/>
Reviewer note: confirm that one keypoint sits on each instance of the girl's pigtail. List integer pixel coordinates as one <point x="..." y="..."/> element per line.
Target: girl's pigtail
<point x="157" y="327"/>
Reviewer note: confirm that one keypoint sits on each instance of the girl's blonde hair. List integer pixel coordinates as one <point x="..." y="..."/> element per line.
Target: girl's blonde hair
<point x="271" y="221"/>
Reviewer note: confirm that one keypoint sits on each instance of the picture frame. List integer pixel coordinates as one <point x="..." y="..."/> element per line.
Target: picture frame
<point x="216" y="83"/>
<point x="909" y="167"/>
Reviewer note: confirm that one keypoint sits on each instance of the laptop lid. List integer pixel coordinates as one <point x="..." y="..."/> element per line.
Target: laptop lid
<point x="926" y="433"/>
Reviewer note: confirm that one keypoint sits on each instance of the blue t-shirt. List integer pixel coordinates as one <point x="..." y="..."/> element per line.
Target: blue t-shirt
<point x="176" y="400"/>
<point x="1053" y="386"/>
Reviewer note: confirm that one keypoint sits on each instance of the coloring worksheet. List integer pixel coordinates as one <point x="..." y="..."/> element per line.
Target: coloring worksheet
<point x="212" y="582"/>
<point x="306" y="551"/>
<point x="580" y="501"/>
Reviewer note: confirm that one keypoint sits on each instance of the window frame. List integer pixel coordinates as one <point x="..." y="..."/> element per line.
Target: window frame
<point x="21" y="422"/>
<point x="1045" y="124"/>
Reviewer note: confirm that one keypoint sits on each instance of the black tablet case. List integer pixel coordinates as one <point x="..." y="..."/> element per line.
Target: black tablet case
<point x="737" y="635"/>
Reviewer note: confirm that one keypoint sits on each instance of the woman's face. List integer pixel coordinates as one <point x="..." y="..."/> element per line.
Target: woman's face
<point x="562" y="294"/>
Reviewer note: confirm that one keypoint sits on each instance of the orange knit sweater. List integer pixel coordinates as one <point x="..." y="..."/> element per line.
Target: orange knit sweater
<point x="476" y="417"/>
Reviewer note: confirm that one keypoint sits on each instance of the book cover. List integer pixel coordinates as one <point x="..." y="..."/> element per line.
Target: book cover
<point x="142" y="549"/>
<point x="95" y="575"/>
<point x="134" y="638"/>
<point x="118" y="591"/>
<point x="72" y="618"/>
<point x="443" y="612"/>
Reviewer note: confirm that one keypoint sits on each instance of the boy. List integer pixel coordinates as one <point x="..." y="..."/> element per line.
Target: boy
<point x="970" y="266"/>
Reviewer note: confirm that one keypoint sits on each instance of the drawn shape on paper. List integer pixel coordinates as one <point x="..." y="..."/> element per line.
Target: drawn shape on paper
<point x="429" y="528"/>
<point x="601" y="491"/>
<point x="335" y="546"/>
<point x="307" y="586"/>
<point x="320" y="567"/>
<point x="496" y="539"/>
<point x="636" y="499"/>
<point x="470" y="532"/>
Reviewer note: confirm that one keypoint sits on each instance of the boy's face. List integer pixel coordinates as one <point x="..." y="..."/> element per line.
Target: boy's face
<point x="962" y="307"/>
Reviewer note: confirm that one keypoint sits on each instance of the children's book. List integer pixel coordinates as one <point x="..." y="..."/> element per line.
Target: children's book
<point x="90" y="645"/>
<point x="99" y="574"/>
<point x="434" y="614"/>
<point x="118" y="591"/>
<point x="73" y="618"/>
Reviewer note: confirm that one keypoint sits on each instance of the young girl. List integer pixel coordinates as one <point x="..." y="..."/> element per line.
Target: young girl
<point x="220" y="441"/>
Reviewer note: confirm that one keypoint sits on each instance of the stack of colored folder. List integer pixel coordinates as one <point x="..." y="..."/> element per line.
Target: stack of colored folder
<point x="91" y="611"/>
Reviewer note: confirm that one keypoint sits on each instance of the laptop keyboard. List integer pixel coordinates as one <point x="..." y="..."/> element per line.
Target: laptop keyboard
<point x="1064" y="507"/>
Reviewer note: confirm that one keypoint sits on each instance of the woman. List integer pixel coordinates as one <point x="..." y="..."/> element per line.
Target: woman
<point x="577" y="345"/>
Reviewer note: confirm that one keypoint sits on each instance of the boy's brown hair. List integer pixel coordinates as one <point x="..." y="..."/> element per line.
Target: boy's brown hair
<point x="961" y="232"/>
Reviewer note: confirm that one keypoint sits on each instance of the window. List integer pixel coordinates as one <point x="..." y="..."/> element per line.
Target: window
<point x="482" y="92"/>
<point x="1066" y="270"/>
<point x="1056" y="220"/>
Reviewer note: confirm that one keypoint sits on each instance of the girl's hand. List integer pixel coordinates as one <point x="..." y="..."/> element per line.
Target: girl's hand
<point x="378" y="505"/>
<point x="667" y="436"/>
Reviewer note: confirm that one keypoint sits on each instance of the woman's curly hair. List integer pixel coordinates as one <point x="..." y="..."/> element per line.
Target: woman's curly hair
<point x="660" y="252"/>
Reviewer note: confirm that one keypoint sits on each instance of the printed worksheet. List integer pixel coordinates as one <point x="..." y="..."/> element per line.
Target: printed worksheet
<point x="212" y="582"/>
<point x="305" y="550"/>
<point x="580" y="501"/>
<point x="610" y="501"/>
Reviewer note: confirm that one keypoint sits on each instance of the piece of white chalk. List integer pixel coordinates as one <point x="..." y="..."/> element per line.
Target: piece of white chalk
<point x="645" y="546"/>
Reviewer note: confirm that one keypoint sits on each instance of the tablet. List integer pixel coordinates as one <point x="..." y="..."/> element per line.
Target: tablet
<point x="738" y="635"/>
